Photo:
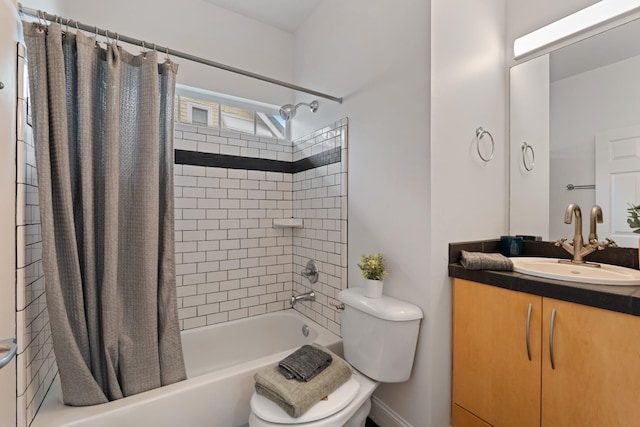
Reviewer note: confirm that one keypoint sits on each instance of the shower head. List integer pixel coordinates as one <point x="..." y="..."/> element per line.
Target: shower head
<point x="287" y="111"/>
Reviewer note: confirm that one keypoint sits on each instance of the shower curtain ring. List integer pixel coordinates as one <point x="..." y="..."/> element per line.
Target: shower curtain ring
<point x="58" y="20"/>
<point x="96" y="43"/>
<point x="41" y="22"/>
<point x="167" y="52"/>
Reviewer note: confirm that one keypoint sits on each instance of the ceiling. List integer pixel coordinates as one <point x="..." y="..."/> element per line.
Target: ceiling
<point x="287" y="15"/>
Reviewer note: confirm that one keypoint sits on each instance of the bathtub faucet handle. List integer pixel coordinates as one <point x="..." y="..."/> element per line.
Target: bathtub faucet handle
<point x="311" y="271"/>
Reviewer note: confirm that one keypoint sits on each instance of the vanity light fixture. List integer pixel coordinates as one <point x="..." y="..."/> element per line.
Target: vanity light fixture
<point x="584" y="19"/>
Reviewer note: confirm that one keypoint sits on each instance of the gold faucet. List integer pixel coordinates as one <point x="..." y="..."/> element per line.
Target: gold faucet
<point x="596" y="217"/>
<point x="578" y="248"/>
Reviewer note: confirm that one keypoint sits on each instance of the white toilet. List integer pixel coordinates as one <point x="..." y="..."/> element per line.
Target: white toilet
<point x="379" y="338"/>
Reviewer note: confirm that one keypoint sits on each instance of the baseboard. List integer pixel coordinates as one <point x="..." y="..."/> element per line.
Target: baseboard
<point x="384" y="416"/>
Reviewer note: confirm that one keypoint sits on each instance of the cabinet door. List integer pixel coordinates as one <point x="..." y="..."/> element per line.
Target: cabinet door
<point x="493" y="377"/>
<point x="596" y="380"/>
<point x="463" y="418"/>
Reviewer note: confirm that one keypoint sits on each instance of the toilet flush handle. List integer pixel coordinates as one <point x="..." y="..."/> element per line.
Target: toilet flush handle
<point x="339" y="306"/>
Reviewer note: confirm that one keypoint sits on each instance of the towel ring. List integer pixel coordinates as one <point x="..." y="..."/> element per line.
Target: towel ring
<point x="480" y="133"/>
<point x="526" y="147"/>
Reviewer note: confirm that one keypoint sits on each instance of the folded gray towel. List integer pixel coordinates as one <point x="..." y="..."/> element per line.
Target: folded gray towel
<point x="485" y="261"/>
<point x="297" y="397"/>
<point x="304" y="363"/>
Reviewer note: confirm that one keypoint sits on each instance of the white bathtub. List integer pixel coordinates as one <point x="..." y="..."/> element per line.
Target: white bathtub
<point x="220" y="361"/>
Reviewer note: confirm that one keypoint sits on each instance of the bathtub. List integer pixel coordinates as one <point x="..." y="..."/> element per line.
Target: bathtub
<point x="220" y="361"/>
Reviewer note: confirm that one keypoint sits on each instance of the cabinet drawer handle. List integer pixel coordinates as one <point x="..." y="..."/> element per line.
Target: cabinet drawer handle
<point x="553" y="321"/>
<point x="528" y="329"/>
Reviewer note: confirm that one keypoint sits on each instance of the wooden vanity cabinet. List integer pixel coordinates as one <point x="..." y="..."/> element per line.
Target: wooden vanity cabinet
<point x="462" y="417"/>
<point x="596" y="380"/>
<point x="493" y="376"/>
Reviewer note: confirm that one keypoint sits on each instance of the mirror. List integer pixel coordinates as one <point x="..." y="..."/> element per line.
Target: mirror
<point x="578" y="109"/>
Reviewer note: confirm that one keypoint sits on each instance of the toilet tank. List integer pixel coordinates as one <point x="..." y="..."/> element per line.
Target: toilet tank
<point x="379" y="335"/>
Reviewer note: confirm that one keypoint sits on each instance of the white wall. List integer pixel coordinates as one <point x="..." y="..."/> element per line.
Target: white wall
<point x="376" y="55"/>
<point x="201" y="29"/>
<point x="468" y="196"/>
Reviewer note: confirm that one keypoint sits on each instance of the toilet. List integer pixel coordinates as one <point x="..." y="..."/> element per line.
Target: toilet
<point x="379" y="337"/>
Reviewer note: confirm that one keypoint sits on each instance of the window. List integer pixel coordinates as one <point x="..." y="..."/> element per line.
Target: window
<point x="204" y="108"/>
<point x="201" y="115"/>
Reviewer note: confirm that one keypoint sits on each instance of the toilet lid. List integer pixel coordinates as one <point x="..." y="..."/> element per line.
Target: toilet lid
<point x="267" y="410"/>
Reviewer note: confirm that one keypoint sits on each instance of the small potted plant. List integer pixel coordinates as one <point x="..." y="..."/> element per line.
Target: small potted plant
<point x="374" y="270"/>
<point x="634" y="217"/>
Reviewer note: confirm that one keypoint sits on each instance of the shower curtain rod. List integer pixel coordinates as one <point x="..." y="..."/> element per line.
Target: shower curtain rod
<point x="163" y="49"/>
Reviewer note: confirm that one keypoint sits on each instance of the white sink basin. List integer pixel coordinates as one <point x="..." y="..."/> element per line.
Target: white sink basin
<point x="550" y="268"/>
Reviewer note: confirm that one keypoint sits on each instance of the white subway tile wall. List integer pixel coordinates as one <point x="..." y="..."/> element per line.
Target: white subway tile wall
<point x="36" y="365"/>
<point x="320" y="199"/>
<point x="230" y="261"/>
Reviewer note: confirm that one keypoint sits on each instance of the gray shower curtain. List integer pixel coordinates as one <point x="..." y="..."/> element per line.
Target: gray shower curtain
<point x="103" y="123"/>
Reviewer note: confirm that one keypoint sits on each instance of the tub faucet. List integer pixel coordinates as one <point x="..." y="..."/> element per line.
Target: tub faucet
<point x="307" y="296"/>
<point x="578" y="248"/>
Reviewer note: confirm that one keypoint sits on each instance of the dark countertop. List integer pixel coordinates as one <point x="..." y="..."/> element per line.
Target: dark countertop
<point x="623" y="299"/>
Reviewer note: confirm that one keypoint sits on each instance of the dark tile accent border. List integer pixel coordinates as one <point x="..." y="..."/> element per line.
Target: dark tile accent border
<point x="326" y="158"/>
<point x="195" y="158"/>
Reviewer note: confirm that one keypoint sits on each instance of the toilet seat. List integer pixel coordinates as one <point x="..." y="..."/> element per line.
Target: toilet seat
<point x="268" y="411"/>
